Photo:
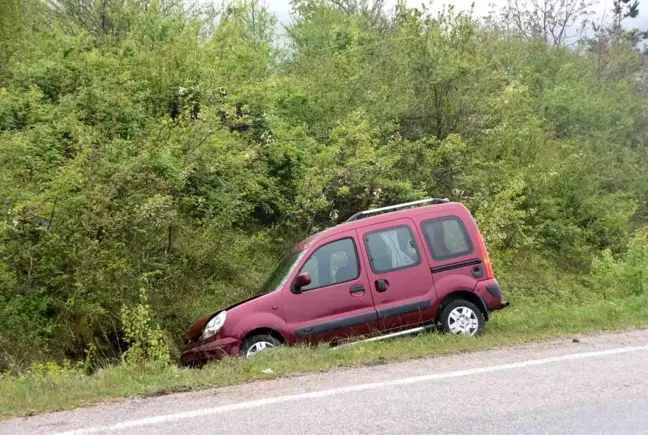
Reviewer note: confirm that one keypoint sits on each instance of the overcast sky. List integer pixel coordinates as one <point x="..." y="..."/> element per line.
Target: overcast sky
<point x="282" y="8"/>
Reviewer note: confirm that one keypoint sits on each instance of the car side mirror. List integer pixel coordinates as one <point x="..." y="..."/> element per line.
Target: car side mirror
<point x="302" y="280"/>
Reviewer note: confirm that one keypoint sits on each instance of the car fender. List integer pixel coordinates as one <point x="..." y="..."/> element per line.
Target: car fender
<point x="241" y="328"/>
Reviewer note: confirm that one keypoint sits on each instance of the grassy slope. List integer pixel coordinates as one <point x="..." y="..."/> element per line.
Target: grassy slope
<point x="29" y="394"/>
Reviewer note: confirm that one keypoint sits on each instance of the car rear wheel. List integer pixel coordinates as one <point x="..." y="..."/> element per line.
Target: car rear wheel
<point x="258" y="343"/>
<point x="461" y="317"/>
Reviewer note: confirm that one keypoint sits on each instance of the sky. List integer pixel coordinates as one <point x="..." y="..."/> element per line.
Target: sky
<point x="281" y="8"/>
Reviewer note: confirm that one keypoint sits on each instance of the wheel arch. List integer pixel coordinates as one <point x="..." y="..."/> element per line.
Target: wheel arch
<point x="265" y="330"/>
<point x="465" y="295"/>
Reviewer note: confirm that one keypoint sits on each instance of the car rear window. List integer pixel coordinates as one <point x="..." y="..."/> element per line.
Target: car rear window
<point x="447" y="237"/>
<point x="392" y="249"/>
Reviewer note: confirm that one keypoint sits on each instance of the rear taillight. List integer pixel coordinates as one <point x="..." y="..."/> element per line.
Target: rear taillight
<point x="487" y="263"/>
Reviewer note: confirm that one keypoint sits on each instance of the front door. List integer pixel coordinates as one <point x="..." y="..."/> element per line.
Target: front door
<point x="398" y="273"/>
<point x="338" y="302"/>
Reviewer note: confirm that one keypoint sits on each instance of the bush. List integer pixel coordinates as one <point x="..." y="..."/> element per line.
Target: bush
<point x="146" y="341"/>
<point x="627" y="274"/>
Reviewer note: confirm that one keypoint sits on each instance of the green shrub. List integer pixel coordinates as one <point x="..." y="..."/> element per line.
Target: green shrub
<point x="146" y="341"/>
<point x="625" y="274"/>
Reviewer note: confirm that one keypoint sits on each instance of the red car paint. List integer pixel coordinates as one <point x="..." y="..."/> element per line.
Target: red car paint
<point x="375" y="301"/>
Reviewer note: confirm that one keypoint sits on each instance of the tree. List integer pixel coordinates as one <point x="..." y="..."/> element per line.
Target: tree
<point x="11" y="28"/>
<point x="612" y="39"/>
<point x="101" y="18"/>
<point x="556" y="22"/>
<point x="622" y="10"/>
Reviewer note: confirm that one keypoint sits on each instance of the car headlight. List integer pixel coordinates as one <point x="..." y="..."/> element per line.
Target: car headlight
<point x="214" y="325"/>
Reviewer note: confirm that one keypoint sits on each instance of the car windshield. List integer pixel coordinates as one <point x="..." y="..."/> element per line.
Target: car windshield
<point x="279" y="276"/>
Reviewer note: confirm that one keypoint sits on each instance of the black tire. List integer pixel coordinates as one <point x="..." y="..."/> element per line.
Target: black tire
<point x="250" y="342"/>
<point x="448" y="324"/>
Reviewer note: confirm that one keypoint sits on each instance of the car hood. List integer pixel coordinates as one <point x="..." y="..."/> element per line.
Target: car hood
<point x="197" y="328"/>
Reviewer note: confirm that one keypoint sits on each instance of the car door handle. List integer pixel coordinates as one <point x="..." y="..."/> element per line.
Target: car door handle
<point x="382" y="285"/>
<point x="358" y="288"/>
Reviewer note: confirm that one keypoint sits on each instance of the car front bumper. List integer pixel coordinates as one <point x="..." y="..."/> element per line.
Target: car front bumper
<point x="210" y="351"/>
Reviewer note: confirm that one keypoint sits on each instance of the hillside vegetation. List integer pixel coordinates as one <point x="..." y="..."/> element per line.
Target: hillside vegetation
<point x="157" y="158"/>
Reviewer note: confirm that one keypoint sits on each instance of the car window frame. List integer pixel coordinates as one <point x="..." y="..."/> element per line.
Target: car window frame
<point x="412" y="234"/>
<point x="462" y="228"/>
<point x="286" y="278"/>
<point x="358" y="265"/>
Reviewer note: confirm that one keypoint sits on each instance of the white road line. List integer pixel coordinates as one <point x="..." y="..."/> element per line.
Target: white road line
<point x="350" y="389"/>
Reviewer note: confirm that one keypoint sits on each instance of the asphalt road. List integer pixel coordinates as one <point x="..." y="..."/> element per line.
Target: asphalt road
<point x="596" y="386"/>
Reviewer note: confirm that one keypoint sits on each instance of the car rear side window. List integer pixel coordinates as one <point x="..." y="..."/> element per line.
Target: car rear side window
<point x="391" y="249"/>
<point x="447" y="237"/>
<point x="333" y="263"/>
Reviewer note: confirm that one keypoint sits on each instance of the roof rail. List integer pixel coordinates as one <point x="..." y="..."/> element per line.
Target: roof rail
<point x="362" y="214"/>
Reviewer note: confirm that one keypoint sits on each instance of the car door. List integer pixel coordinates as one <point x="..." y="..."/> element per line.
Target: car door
<point x="338" y="302"/>
<point x="398" y="273"/>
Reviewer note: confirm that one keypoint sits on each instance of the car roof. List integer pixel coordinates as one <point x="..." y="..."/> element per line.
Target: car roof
<point x="377" y="219"/>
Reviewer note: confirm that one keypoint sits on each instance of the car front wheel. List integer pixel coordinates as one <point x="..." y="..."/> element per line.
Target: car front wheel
<point x="461" y="317"/>
<point x="258" y="343"/>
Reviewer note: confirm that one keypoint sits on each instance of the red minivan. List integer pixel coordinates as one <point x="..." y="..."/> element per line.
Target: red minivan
<point x="385" y="272"/>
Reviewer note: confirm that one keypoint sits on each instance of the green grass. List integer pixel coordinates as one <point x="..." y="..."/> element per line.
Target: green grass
<point x="32" y="393"/>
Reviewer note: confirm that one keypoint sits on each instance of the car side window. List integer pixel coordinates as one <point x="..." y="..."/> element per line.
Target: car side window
<point x="333" y="263"/>
<point x="447" y="237"/>
<point x="391" y="249"/>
